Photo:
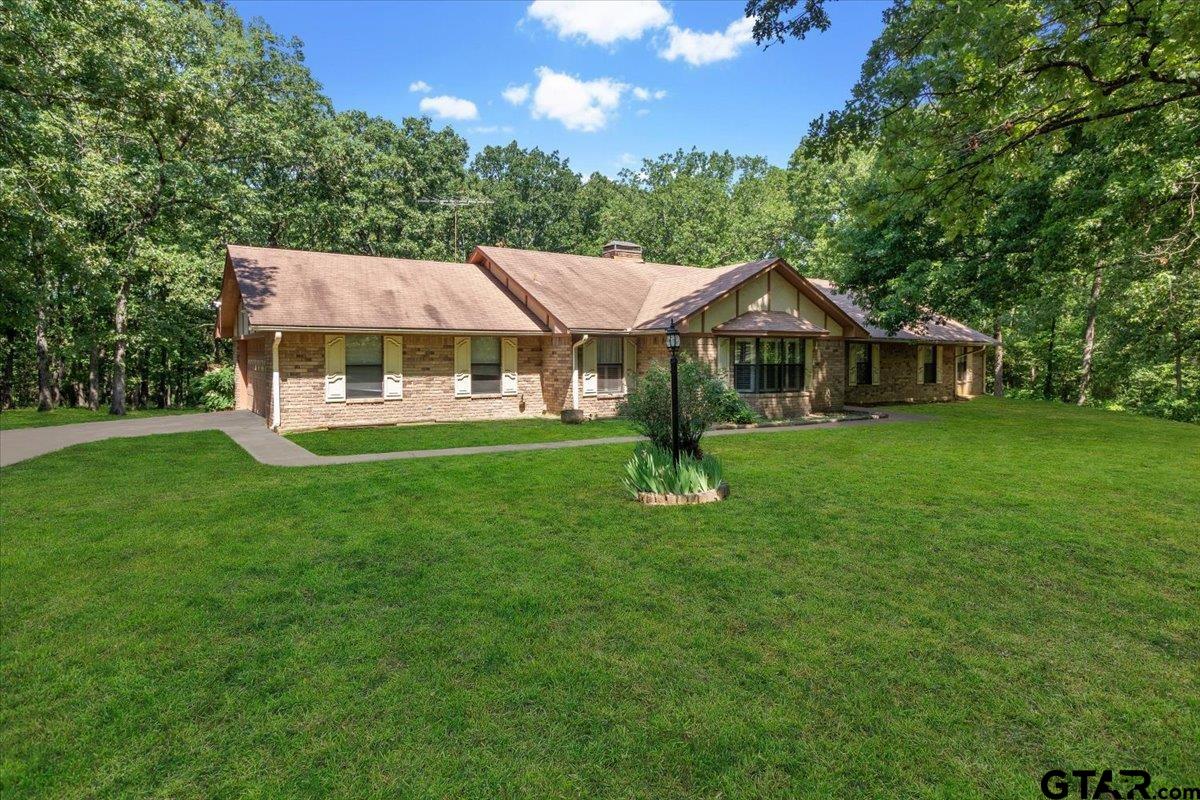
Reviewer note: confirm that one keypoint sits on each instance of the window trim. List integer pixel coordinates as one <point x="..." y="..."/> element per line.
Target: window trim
<point x="619" y="343"/>
<point x="499" y="364"/>
<point x="795" y="368"/>
<point x="346" y="365"/>
<point x="867" y="363"/>
<point x="930" y="362"/>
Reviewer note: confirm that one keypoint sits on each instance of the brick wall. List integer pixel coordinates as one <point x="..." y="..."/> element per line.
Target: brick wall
<point x="544" y="382"/>
<point x="898" y="378"/>
<point x="428" y="386"/>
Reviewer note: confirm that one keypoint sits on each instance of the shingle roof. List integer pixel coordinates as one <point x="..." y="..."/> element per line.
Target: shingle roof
<point x="767" y="322"/>
<point x="594" y="293"/>
<point x="296" y="288"/>
<point x="936" y="329"/>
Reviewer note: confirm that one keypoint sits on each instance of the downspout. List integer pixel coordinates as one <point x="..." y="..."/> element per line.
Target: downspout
<point x="575" y="372"/>
<point x="275" y="380"/>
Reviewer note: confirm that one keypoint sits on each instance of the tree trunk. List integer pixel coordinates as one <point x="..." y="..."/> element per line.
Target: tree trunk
<point x="45" y="400"/>
<point x="58" y="377"/>
<point x="164" y="391"/>
<point x="8" y="376"/>
<point x="1089" y="336"/>
<point x="93" y="390"/>
<point x="118" y="377"/>
<point x="998" y="365"/>
<point x="1178" y="363"/>
<point x="1048" y="384"/>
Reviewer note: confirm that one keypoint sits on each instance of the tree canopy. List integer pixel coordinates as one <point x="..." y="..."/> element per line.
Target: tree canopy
<point x="1030" y="167"/>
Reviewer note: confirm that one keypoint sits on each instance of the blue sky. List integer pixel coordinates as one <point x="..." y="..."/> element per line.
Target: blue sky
<point x="604" y="85"/>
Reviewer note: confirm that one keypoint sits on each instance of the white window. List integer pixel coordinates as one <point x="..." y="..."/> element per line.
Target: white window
<point x="610" y="365"/>
<point x="364" y="367"/>
<point x="485" y="365"/>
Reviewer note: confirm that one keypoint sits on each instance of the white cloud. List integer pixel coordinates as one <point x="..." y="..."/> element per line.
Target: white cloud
<point x="644" y="94"/>
<point x="447" y="107"/>
<point x="419" y="86"/>
<point x="516" y="94"/>
<point x="602" y="22"/>
<point x="578" y="105"/>
<point x="699" y="49"/>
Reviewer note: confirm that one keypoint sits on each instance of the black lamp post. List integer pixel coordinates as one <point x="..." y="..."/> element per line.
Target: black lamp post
<point x="673" y="346"/>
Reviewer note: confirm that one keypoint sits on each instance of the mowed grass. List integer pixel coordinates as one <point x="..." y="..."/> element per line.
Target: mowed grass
<point x="943" y="609"/>
<point x="66" y="415"/>
<point x="395" y="438"/>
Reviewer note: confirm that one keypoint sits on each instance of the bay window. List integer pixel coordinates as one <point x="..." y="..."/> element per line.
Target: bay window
<point x="766" y="365"/>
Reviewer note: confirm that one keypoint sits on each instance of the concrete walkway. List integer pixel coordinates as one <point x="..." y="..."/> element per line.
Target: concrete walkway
<point x="266" y="447"/>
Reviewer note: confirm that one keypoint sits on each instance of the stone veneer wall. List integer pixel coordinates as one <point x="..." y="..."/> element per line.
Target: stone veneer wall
<point x="898" y="378"/>
<point x="428" y="386"/>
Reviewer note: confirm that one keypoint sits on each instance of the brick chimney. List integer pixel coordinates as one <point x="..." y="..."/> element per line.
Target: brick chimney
<point x="623" y="251"/>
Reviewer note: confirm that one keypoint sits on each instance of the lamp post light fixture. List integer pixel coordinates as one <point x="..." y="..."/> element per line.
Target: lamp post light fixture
<point x="673" y="346"/>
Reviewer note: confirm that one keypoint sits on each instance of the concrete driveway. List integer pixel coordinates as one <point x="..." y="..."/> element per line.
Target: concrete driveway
<point x="267" y="447"/>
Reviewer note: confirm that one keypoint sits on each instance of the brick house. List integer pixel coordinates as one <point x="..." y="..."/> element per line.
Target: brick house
<point x="326" y="340"/>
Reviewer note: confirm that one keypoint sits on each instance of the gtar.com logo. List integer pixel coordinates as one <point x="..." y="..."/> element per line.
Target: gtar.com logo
<point x="1094" y="784"/>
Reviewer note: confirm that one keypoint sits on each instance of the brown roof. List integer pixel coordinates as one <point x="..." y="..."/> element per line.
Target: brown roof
<point x="936" y="329"/>
<point x="296" y="288"/>
<point x="778" y="323"/>
<point x="590" y="293"/>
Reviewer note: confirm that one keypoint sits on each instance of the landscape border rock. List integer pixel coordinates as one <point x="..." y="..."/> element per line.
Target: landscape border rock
<point x="711" y="496"/>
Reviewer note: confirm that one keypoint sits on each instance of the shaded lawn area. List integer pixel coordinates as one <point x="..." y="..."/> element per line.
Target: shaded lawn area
<point x="396" y="438"/>
<point x="940" y="609"/>
<point x="32" y="418"/>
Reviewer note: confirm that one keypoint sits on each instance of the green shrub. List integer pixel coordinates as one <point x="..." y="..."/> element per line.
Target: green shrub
<point x="1151" y="390"/>
<point x="734" y="408"/>
<point x="703" y="400"/>
<point x="215" y="389"/>
<point x="651" y="470"/>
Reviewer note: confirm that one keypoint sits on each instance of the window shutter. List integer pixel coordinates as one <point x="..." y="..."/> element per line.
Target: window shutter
<point x="508" y="365"/>
<point x="937" y="360"/>
<point x="920" y="364"/>
<point x="335" y="369"/>
<point x="874" y="365"/>
<point x="808" y="364"/>
<point x="723" y="367"/>
<point x="630" y="362"/>
<point x="393" y="367"/>
<point x="852" y="364"/>
<point x="589" y="367"/>
<point x="462" y="366"/>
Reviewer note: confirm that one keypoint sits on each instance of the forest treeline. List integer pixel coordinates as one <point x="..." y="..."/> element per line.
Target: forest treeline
<point x="1031" y="169"/>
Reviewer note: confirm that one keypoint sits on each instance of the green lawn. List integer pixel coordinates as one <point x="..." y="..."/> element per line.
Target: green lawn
<point x="32" y="418"/>
<point x="391" y="439"/>
<point x="943" y="609"/>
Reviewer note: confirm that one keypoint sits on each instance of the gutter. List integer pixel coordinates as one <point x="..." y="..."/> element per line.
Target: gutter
<point x="575" y="372"/>
<point x="275" y="380"/>
<point x="397" y="331"/>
